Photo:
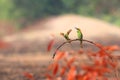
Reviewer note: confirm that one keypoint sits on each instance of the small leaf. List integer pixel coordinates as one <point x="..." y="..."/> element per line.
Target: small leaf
<point x="59" y="55"/>
<point x="50" y="66"/>
<point x="99" y="45"/>
<point x="72" y="73"/>
<point x="112" y="48"/>
<point x="70" y="62"/>
<point x="62" y="71"/>
<point x="29" y="76"/>
<point x="49" y="77"/>
<point x="79" y="77"/>
<point x="87" y="68"/>
<point x="113" y="64"/>
<point x="56" y="67"/>
<point x="50" y="45"/>
<point x="104" y="70"/>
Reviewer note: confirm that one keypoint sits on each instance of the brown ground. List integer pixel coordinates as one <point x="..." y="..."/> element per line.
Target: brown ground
<point x="28" y="42"/>
<point x="14" y="67"/>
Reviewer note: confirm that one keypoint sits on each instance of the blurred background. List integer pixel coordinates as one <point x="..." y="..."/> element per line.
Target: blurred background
<point x="20" y="13"/>
<point x="27" y="26"/>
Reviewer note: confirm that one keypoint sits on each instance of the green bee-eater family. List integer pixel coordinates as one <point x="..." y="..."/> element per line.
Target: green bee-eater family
<point x="79" y="35"/>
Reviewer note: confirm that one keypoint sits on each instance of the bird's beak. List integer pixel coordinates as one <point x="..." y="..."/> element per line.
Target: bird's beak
<point x="76" y="28"/>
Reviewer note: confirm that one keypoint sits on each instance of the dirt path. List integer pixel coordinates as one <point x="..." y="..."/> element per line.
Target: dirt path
<point x="90" y="27"/>
<point x="14" y="67"/>
<point x="37" y="39"/>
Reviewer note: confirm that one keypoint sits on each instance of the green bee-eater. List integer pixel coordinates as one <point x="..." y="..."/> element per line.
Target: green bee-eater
<point x="80" y="36"/>
<point x="66" y="36"/>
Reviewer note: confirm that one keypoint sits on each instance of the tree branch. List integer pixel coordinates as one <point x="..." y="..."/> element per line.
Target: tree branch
<point x="97" y="45"/>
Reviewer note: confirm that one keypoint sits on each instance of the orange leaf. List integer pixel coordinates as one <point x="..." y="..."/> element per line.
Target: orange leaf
<point x="49" y="77"/>
<point x="69" y="63"/>
<point x="80" y="51"/>
<point x="113" y="64"/>
<point x="106" y="70"/>
<point x="56" y="67"/>
<point x="28" y="75"/>
<point x="50" y="45"/>
<point x="86" y="77"/>
<point x="102" y="53"/>
<point x="112" y="48"/>
<point x="79" y="77"/>
<point x="87" y="68"/>
<point x="72" y="73"/>
<point x="59" y="55"/>
<point x="62" y="71"/>
<point x="50" y="66"/>
<point x="101" y="62"/>
<point x="99" y="45"/>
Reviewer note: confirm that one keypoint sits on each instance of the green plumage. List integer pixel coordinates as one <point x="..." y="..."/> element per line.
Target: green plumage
<point x="80" y="35"/>
<point x="66" y="37"/>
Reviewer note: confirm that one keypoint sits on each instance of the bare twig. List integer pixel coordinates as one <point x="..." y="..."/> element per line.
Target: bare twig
<point x="72" y="41"/>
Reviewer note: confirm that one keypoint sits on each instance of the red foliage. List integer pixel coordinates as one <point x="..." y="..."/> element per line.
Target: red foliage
<point x="59" y="55"/>
<point x="49" y="77"/>
<point x="71" y="73"/>
<point x="99" y="64"/>
<point x="62" y="72"/>
<point x="50" y="45"/>
<point x="112" y="48"/>
<point x="56" y="67"/>
<point x="29" y="76"/>
<point x="70" y="62"/>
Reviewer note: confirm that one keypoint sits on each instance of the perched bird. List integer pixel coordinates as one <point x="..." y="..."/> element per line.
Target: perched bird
<point x="66" y="36"/>
<point x="80" y="36"/>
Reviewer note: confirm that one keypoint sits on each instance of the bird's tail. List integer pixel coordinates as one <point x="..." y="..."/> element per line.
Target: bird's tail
<point x="81" y="45"/>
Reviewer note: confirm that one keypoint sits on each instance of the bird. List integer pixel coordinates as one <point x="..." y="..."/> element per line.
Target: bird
<point x="66" y="35"/>
<point x="80" y="36"/>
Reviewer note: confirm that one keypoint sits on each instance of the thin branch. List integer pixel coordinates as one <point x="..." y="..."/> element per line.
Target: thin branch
<point x="72" y="41"/>
<point x="58" y="48"/>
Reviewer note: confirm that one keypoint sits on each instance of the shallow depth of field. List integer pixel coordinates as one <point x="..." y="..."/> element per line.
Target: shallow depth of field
<point x="30" y="34"/>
